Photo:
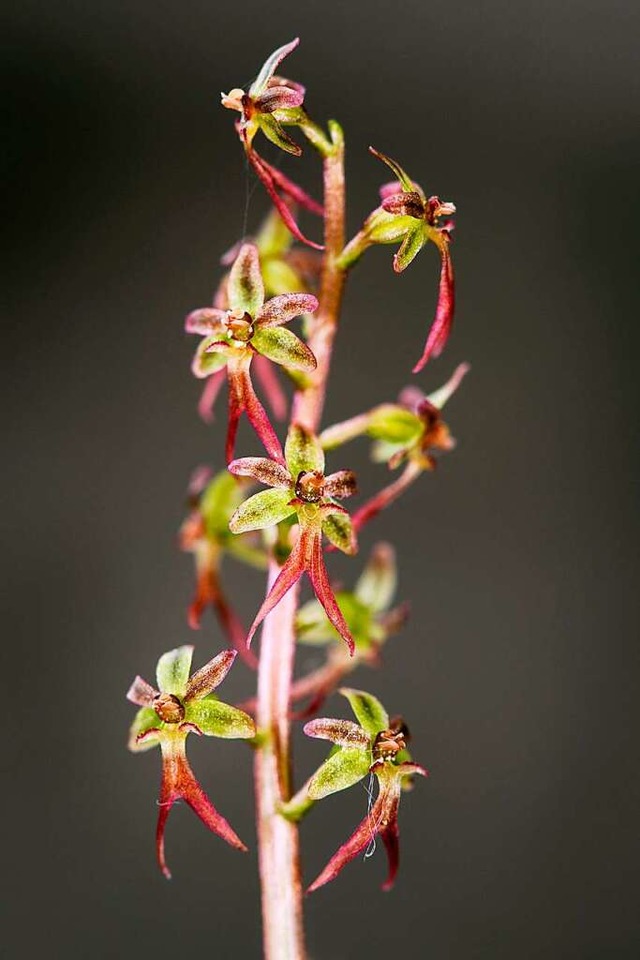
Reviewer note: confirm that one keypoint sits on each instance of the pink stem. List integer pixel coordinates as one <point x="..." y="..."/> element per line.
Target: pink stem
<point x="278" y="838"/>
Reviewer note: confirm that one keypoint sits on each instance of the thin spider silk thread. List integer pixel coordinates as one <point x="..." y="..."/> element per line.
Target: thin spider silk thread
<point x="371" y="847"/>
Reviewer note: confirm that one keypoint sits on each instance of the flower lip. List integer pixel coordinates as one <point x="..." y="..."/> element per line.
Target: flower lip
<point x="234" y="99"/>
<point x="239" y="326"/>
<point x="388" y="744"/>
<point x="309" y="486"/>
<point x="169" y="708"/>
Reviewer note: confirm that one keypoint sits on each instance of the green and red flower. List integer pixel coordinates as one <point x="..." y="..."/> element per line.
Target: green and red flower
<point x="179" y="706"/>
<point x="271" y="103"/>
<point x="374" y="745"/>
<point x="301" y="489"/>
<point x="250" y="326"/>
<point x="406" y="215"/>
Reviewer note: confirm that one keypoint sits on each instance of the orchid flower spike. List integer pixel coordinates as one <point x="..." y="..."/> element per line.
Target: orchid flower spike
<point x="408" y="216"/>
<point x="250" y="326"/>
<point x="299" y="488"/>
<point x="184" y="704"/>
<point x="272" y="103"/>
<point x="374" y="745"/>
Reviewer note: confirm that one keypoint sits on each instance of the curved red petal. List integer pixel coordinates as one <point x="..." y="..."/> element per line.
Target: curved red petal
<point x="441" y="326"/>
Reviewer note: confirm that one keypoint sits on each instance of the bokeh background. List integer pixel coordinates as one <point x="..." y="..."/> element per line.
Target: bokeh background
<point x="518" y="673"/>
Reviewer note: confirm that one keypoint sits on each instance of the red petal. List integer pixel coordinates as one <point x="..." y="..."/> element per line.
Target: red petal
<point x="209" y="395"/>
<point x="382" y="820"/>
<point x="267" y="174"/>
<point x="279" y="98"/>
<point x="179" y="782"/>
<point x="288" y="576"/>
<point x="268" y="379"/>
<point x="259" y="420"/>
<point x="322" y="587"/>
<point x="441" y="326"/>
<point x="141" y="693"/>
<point x="296" y="193"/>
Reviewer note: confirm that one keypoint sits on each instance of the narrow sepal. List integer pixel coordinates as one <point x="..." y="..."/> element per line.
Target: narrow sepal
<point x="345" y="733"/>
<point x="302" y="451"/>
<point x="245" y="288"/>
<point x="283" y="346"/>
<point x="141" y="693"/>
<point x="274" y="182"/>
<point x="262" y="510"/>
<point x="382" y="820"/>
<point x="210" y="393"/>
<point x="173" y="670"/>
<point x="286" y="579"/>
<point x="269" y="382"/>
<point x="323" y="591"/>
<point x="404" y="178"/>
<point x="218" y="719"/>
<point x="270" y="66"/>
<point x="210" y="676"/>
<point x="439" y="397"/>
<point x="284" y="308"/>
<point x="339" y="772"/>
<point x="179" y="783"/>
<point x="368" y="710"/>
<point x="441" y="327"/>
<point x="264" y="471"/>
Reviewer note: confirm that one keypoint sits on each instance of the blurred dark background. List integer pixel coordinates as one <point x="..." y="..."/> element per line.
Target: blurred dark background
<point x="517" y="673"/>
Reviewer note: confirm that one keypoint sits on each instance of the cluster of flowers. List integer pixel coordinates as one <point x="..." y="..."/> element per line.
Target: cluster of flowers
<point x="298" y="516"/>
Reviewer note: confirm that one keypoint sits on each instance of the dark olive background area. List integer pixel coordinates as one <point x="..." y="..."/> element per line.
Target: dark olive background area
<point x="518" y="672"/>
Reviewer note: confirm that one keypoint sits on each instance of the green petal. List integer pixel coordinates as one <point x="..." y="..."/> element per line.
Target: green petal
<point x="245" y="288"/>
<point x="340" y="771"/>
<point x="410" y="248"/>
<point x="204" y="364"/>
<point x="145" y="719"/>
<point x="394" y="424"/>
<point x="282" y="346"/>
<point x="262" y="510"/>
<point x="369" y="712"/>
<point x="337" y="528"/>
<point x="274" y="132"/>
<point x="303" y="451"/>
<point x="173" y="670"/>
<point x="218" y="719"/>
<point x="383" y="227"/>
<point x="272" y="240"/>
